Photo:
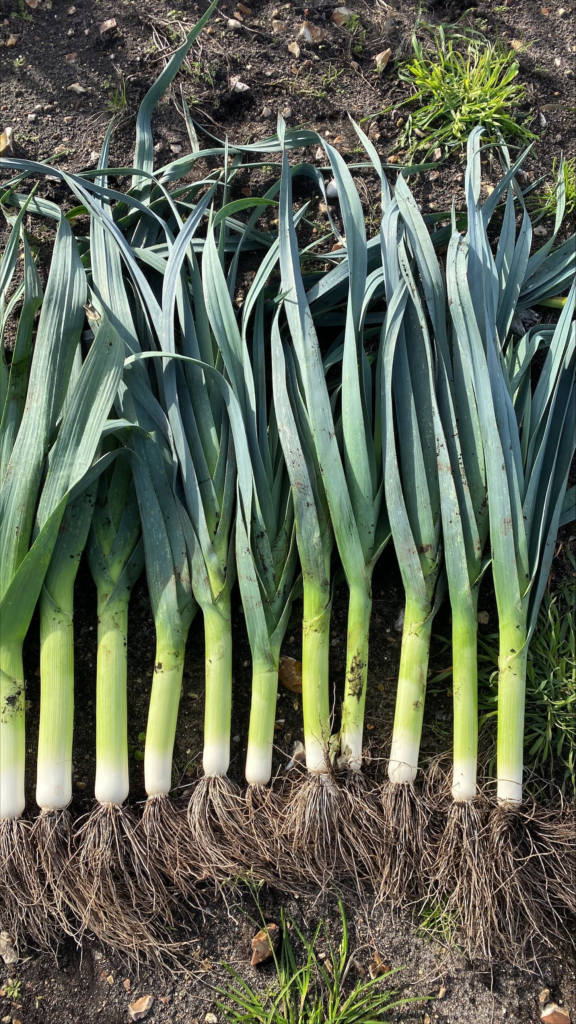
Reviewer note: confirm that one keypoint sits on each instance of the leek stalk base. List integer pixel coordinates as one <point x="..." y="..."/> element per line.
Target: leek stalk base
<point x="54" y="763"/>
<point x="409" y="714"/>
<point x="12" y="734"/>
<point x="352" y="727"/>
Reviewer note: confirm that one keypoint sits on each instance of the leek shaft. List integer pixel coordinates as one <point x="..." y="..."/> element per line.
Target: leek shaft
<point x="111" y="701"/>
<point x="465" y="691"/>
<point x="359" y="611"/>
<point x="218" y="696"/>
<point x="315" y="676"/>
<point x="409" y="714"/>
<point x="262" y="718"/>
<point x="12" y="740"/>
<point x="54" y="775"/>
<point x="511" y="701"/>
<point x="162" y="718"/>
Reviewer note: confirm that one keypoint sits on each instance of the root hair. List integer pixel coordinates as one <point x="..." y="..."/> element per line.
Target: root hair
<point x="24" y="909"/>
<point x="216" y="818"/>
<point x="406" y="843"/>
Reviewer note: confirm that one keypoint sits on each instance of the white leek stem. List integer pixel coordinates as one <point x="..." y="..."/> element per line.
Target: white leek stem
<point x="112" y="784"/>
<point x="262" y="718"/>
<point x="54" y="764"/>
<point x="352" y="728"/>
<point x="511" y="702"/>
<point x="218" y="694"/>
<point x="315" y="675"/>
<point x="465" y="690"/>
<point x="12" y="739"/>
<point x="162" y="719"/>
<point x="405" y="749"/>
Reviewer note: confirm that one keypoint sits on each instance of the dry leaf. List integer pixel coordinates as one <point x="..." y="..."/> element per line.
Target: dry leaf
<point x="141" y="1007"/>
<point x="311" y="33"/>
<point x="341" y="15"/>
<point x="265" y="943"/>
<point x="12" y="39"/>
<point x="516" y="44"/>
<point x="77" y="88"/>
<point x="246" y="192"/>
<point x="377" y="968"/>
<point x="294" y="49"/>
<point x="290" y="674"/>
<point x="441" y="992"/>
<point x="382" y="59"/>
<point x="553" y="1014"/>
<point x="244" y="9"/>
<point x="393" y="159"/>
<point x="279" y="27"/>
<point x="107" y="25"/>
<point x="6" y="147"/>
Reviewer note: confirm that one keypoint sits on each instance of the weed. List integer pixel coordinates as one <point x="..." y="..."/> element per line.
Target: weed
<point x="19" y="62"/>
<point x="563" y="172"/>
<point x="357" y="32"/>
<point x="456" y="90"/>
<point x="13" y="988"/>
<point x="331" y="76"/>
<point x="438" y="924"/>
<point x="117" y="96"/>
<point x="314" y="993"/>
<point x="137" y="749"/>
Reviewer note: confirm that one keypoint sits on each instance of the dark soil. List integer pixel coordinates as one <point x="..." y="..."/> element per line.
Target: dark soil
<point x="319" y="89"/>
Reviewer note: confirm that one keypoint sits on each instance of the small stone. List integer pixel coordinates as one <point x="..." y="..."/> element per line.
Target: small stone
<point x="211" y="1018"/>
<point x="32" y="118"/>
<point x="290" y="674"/>
<point x="434" y="175"/>
<point x="127" y="984"/>
<point x="234" y="24"/>
<point x="544" y="996"/>
<point x="354" y="65"/>
<point x="311" y="33"/>
<point x="294" y="49"/>
<point x="70" y="32"/>
<point x="279" y="27"/>
<point x="39" y="109"/>
<point x="7" y="950"/>
<point x="110" y="979"/>
<point x="393" y="159"/>
<point x="94" y="158"/>
<point x="332" y="189"/>
<point x="382" y="59"/>
<point x="483" y="618"/>
<point x="33" y="4"/>
<point x="175" y="148"/>
<point x="540" y="231"/>
<point x="68" y="120"/>
<point x="244" y="9"/>
<point x="77" y="88"/>
<point x="80" y="785"/>
<point x="71" y="58"/>
<point x="12" y="39"/>
<point x="237" y="85"/>
<point x="340" y="15"/>
<point x="71" y="10"/>
<point x="107" y="26"/>
<point x="320" y="155"/>
<point x="287" y="112"/>
<point x="562" y="12"/>
<point x="266" y="112"/>
<point x="437" y="154"/>
<point x="553" y="1014"/>
<point x="265" y="943"/>
<point x="141" y="1007"/>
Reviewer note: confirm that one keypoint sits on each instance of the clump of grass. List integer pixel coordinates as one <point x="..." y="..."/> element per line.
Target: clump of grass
<point x="562" y="170"/>
<point x="316" y="992"/>
<point x="550" y="722"/>
<point x="456" y="89"/>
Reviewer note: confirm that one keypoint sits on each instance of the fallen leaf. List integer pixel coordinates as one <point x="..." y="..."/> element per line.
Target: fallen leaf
<point x="340" y="15"/>
<point x="110" y="979"/>
<point x="427" y="1019"/>
<point x="12" y="39"/>
<point x="544" y="996"/>
<point x="71" y="58"/>
<point x="441" y="992"/>
<point x="553" y="1014"/>
<point x="206" y="965"/>
<point x="6" y="146"/>
<point x="290" y="674"/>
<point x="7" y="950"/>
<point x="265" y="943"/>
<point x="77" y="88"/>
<point x="279" y="27"/>
<point x="377" y="968"/>
<point x="33" y="4"/>
<point x="294" y="48"/>
<point x="107" y="26"/>
<point x="236" y="85"/>
<point x="545" y="11"/>
<point x="382" y="59"/>
<point x="311" y="33"/>
<point x="141" y="1007"/>
<point x="298" y="754"/>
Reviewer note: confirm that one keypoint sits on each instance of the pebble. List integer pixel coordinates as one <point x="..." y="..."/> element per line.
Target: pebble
<point x="311" y="33"/>
<point x="554" y="1014"/>
<point x="12" y="39"/>
<point x="234" y="24"/>
<point x="265" y="943"/>
<point x="237" y="85"/>
<point x="382" y="59"/>
<point x="341" y="14"/>
<point x="266" y="112"/>
<point x="107" y="26"/>
<point x="279" y="27"/>
<point x="77" y="88"/>
<point x="32" y="117"/>
<point x="7" y="950"/>
<point x="71" y="58"/>
<point x="294" y="49"/>
<point x="175" y="148"/>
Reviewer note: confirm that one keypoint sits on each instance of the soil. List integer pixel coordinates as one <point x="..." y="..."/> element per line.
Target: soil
<point x="319" y="88"/>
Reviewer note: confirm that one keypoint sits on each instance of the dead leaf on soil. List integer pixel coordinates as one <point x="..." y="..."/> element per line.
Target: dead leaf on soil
<point x="12" y="39"/>
<point x="554" y="1014"/>
<point x="6" y="147"/>
<point x="340" y="15"/>
<point x="7" y="950"/>
<point x="311" y="33"/>
<point x="77" y="88"/>
<point x="290" y="674"/>
<point x="265" y="943"/>
<point x="294" y="49"/>
<point x="441" y="992"/>
<point x="107" y="26"/>
<point x="141" y="1007"/>
<point x="377" y="968"/>
<point x="382" y="59"/>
